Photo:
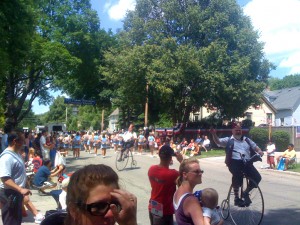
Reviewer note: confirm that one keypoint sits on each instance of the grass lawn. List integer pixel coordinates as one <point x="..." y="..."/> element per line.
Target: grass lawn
<point x="221" y="152"/>
<point x="212" y="153"/>
<point x="296" y="168"/>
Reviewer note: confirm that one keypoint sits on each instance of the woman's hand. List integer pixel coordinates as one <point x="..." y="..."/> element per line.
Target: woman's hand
<point x="127" y="215"/>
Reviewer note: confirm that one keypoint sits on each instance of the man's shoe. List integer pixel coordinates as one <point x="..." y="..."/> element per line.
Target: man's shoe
<point x="119" y="160"/>
<point x="239" y="202"/>
<point x="247" y="199"/>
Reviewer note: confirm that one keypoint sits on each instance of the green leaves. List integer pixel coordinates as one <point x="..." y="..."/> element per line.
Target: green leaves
<point x="192" y="53"/>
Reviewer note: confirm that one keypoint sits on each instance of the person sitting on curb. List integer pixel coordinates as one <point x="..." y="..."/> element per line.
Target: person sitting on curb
<point x="287" y="155"/>
<point x="41" y="178"/>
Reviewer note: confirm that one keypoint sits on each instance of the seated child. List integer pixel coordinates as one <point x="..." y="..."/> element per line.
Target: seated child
<point x="208" y="198"/>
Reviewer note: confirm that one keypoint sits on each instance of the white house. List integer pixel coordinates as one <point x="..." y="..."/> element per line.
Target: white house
<point x="113" y="120"/>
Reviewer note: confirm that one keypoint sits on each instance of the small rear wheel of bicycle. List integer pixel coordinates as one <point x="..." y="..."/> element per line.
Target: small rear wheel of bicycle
<point x="248" y="214"/>
<point x="121" y="162"/>
<point x="133" y="163"/>
<point x="225" y="209"/>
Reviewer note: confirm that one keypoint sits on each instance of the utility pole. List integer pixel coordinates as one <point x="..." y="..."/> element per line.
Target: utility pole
<point x="146" y="105"/>
<point x="102" y="121"/>
<point x="66" y="114"/>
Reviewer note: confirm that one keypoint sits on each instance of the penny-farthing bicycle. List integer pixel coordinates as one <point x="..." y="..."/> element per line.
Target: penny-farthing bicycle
<point x="250" y="213"/>
<point x="124" y="155"/>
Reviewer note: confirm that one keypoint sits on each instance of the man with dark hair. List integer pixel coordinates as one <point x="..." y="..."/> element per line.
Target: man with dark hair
<point x="45" y="148"/>
<point x="41" y="178"/>
<point x="163" y="184"/>
<point x="287" y="155"/>
<point x="13" y="177"/>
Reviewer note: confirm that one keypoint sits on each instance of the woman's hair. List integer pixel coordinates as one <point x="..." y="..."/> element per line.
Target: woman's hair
<point x="31" y="151"/>
<point x="83" y="181"/>
<point x="185" y="167"/>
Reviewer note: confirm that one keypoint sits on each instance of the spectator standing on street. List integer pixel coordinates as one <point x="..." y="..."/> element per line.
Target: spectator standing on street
<point x="4" y="139"/>
<point x="163" y="186"/>
<point x="271" y="154"/>
<point x="45" y="147"/>
<point x="13" y="177"/>
<point x="36" y="144"/>
<point x="188" y="210"/>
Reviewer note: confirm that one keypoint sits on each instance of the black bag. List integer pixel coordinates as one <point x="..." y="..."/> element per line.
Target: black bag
<point x="56" y="217"/>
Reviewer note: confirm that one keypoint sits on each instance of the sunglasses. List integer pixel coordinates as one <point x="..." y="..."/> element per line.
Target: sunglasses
<point x="99" y="208"/>
<point x="197" y="172"/>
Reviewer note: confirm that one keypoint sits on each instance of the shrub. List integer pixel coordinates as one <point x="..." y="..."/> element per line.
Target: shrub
<point x="281" y="140"/>
<point x="260" y="136"/>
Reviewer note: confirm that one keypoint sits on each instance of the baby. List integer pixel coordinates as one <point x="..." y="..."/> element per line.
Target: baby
<point x="208" y="198"/>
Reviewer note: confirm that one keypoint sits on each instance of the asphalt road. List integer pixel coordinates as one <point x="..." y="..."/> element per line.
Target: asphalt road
<point x="280" y="189"/>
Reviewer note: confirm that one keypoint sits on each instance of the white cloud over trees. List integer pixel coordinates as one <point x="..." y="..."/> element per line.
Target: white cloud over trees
<point x="278" y="22"/>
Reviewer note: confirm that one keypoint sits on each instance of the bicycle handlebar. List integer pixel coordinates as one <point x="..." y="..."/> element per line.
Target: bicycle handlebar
<point x="256" y="157"/>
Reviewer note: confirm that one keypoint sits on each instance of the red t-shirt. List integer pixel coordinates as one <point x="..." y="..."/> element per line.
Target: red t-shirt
<point x="163" y="184"/>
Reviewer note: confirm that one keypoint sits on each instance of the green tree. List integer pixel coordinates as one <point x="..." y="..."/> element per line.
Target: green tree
<point x="259" y="136"/>
<point x="281" y="139"/>
<point x="48" y="45"/>
<point x="57" y="111"/>
<point x="207" y="54"/>
<point x="286" y="82"/>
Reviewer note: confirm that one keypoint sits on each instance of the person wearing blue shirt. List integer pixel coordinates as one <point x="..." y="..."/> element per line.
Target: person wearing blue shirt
<point x="41" y="178"/>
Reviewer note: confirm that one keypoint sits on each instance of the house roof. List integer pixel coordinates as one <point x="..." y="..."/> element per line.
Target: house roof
<point x="116" y="112"/>
<point x="288" y="98"/>
<point x="271" y="107"/>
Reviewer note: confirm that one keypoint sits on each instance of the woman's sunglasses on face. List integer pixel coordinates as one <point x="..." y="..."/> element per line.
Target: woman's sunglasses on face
<point x="197" y="172"/>
<point x="99" y="208"/>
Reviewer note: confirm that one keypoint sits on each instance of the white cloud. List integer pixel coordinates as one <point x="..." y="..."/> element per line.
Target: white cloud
<point x="118" y="10"/>
<point x="278" y="22"/>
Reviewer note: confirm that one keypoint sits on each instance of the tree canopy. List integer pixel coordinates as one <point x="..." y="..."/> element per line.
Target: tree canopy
<point x="192" y="53"/>
<point x="48" y="45"/>
<point x="286" y="82"/>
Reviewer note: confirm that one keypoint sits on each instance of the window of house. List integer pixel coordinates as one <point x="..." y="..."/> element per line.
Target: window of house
<point x="281" y="121"/>
<point x="196" y="118"/>
<point x="269" y="118"/>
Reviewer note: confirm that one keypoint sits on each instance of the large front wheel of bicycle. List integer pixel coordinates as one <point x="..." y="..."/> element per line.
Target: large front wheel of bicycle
<point x="121" y="162"/>
<point x="248" y="214"/>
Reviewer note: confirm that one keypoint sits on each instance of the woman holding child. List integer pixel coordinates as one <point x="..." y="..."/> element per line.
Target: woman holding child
<point x="188" y="210"/>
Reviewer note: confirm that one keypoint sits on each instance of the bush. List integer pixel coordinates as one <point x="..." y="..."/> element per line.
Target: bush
<point x="260" y="136"/>
<point x="281" y="140"/>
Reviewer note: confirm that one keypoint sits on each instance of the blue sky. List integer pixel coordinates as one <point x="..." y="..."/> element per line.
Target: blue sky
<point x="278" y="22"/>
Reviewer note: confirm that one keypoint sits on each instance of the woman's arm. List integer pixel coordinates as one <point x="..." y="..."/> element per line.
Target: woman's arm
<point x="192" y="209"/>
